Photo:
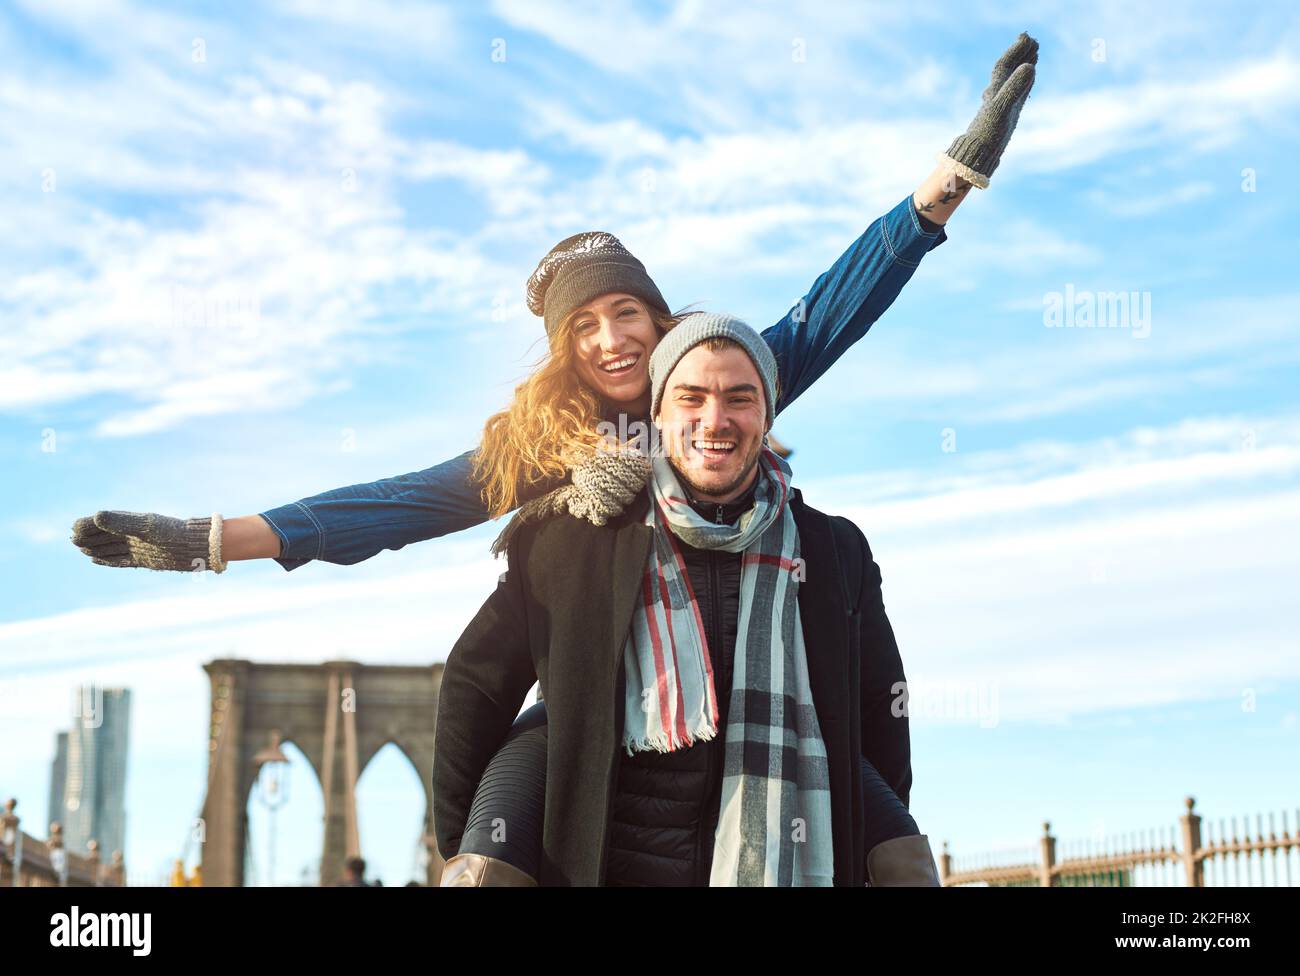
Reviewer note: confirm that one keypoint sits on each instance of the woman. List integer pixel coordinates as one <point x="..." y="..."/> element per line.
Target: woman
<point x="603" y="316"/>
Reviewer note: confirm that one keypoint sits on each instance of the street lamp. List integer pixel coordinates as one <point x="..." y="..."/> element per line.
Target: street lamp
<point x="272" y="775"/>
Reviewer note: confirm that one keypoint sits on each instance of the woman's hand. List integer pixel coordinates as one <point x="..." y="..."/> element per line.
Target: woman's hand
<point x="150" y="541"/>
<point x="975" y="154"/>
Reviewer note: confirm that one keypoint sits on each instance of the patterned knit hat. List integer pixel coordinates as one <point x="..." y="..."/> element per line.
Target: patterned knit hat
<point x="582" y="267"/>
<point x="694" y="329"/>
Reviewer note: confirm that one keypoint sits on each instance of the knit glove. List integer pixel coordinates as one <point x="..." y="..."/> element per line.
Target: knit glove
<point x="975" y="154"/>
<point x="146" y="540"/>
<point x="603" y="483"/>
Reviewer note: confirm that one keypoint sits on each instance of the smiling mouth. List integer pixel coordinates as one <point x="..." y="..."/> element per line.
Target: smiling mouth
<point x="621" y="366"/>
<point x="713" y="449"/>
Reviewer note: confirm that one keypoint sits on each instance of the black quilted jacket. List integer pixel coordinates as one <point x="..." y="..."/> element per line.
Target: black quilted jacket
<point x="666" y="806"/>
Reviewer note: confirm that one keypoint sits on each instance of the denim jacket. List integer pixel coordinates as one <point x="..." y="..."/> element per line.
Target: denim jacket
<point x="347" y="525"/>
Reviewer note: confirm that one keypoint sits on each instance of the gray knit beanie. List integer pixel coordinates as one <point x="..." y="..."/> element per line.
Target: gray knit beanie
<point x="583" y="267"/>
<point x="694" y="329"/>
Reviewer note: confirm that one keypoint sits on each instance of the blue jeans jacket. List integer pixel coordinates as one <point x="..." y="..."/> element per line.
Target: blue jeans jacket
<point x="347" y="525"/>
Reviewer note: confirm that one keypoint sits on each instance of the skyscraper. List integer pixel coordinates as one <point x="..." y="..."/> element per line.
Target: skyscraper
<point x="88" y="779"/>
<point x="58" y="779"/>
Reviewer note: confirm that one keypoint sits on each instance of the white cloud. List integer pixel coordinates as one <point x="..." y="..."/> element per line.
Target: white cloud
<point x="1141" y="203"/>
<point x="757" y="63"/>
<point x="1064" y="131"/>
<point x="421" y="27"/>
<point x="1075" y="578"/>
<point x="1193" y="346"/>
<point x="275" y="262"/>
<point x="308" y="225"/>
<point x="1098" y="612"/>
<point x="420" y="614"/>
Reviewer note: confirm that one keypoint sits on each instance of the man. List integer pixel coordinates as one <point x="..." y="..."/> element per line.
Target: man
<point x="354" y="873"/>
<point x="744" y="711"/>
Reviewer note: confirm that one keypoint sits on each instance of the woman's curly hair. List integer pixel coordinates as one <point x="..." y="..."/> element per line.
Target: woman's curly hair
<point x="551" y="421"/>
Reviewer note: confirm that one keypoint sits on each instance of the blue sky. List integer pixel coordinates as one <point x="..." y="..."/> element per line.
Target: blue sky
<point x="1096" y="530"/>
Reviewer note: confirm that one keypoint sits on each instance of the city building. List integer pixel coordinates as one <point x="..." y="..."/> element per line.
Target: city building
<point x="88" y="775"/>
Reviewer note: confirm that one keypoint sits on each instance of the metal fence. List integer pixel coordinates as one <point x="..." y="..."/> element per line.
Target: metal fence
<point x="1191" y="853"/>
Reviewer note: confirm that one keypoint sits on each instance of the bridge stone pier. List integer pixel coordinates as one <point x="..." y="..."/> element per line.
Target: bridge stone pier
<point x="339" y="713"/>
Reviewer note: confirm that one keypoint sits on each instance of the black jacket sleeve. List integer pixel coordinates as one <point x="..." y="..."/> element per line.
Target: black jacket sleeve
<point x="886" y="741"/>
<point x="484" y="683"/>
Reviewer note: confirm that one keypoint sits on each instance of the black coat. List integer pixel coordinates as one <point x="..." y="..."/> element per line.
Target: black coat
<point x="666" y="805"/>
<point x="561" y="615"/>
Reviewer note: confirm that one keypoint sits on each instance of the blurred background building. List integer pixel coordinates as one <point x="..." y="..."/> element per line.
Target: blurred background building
<point x="88" y="776"/>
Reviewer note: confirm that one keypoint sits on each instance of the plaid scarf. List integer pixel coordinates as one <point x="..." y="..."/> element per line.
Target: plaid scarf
<point x="774" y="820"/>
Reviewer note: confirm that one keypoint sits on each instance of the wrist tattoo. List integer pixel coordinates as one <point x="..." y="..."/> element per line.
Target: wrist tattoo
<point x="951" y="195"/>
<point x="924" y="207"/>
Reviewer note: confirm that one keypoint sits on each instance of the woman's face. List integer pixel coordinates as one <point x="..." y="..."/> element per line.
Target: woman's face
<point x="614" y="337"/>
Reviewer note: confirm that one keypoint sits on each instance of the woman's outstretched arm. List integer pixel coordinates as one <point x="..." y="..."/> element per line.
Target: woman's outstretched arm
<point x="863" y="282"/>
<point x="347" y="525"/>
<point x="250" y="537"/>
<point x="940" y="195"/>
<point x="342" y="525"/>
<point x="847" y="299"/>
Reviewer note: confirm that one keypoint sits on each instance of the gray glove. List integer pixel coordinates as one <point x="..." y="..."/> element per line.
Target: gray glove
<point x="975" y="154"/>
<point x="146" y="540"/>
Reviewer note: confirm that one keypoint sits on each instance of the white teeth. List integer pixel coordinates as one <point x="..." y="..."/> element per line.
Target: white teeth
<point x="619" y="363"/>
<point x="715" y="445"/>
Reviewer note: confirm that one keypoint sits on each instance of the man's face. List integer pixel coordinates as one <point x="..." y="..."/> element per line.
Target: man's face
<point x="712" y="419"/>
<point x="614" y="337"/>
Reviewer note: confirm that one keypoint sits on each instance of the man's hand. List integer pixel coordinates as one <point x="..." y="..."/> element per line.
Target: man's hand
<point x="975" y="154"/>
<point x="150" y="541"/>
